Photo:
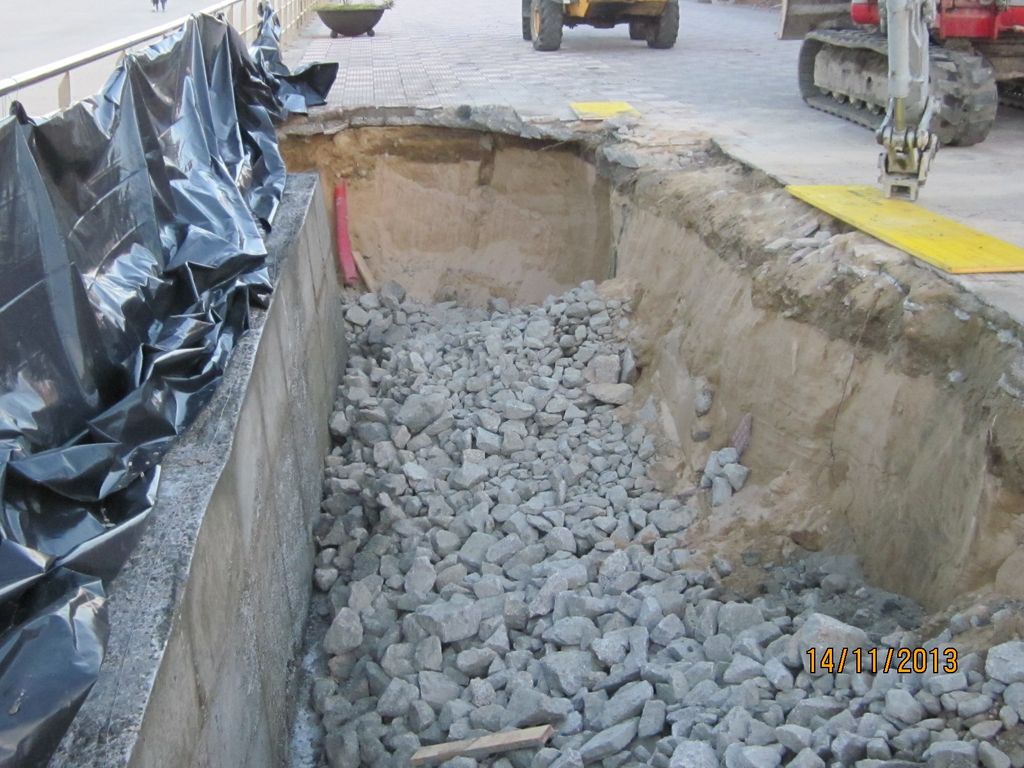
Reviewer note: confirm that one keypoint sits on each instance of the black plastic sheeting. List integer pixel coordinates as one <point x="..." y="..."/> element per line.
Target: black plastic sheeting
<point x="131" y="248"/>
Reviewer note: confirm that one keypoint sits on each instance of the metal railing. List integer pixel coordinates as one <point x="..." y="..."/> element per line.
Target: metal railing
<point x="51" y="83"/>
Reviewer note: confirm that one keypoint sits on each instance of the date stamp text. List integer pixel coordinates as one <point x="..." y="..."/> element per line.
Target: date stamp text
<point x="881" y="660"/>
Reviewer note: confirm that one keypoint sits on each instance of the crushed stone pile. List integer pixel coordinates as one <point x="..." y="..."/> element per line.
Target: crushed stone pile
<point x="494" y="554"/>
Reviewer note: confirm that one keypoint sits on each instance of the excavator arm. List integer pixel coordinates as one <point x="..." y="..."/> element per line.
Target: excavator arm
<point x="908" y="145"/>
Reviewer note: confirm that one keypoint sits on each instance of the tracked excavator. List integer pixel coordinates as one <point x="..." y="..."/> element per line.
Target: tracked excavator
<point x="920" y="72"/>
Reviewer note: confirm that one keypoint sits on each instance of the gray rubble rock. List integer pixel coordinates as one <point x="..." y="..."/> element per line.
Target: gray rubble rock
<point x="419" y="411"/>
<point x="527" y="706"/>
<point x="357" y="316"/>
<point x="992" y="757"/>
<point x="609" y="741"/>
<point x="345" y="633"/>
<point x="468" y="476"/>
<point x="421" y="576"/>
<point x="473" y="551"/>
<point x="517" y="410"/>
<point x="721" y="491"/>
<point x="902" y="707"/>
<point x="415" y="473"/>
<point x="807" y="758"/>
<point x="437" y="689"/>
<point x="449" y="621"/>
<point x="951" y="754"/>
<point x="420" y="716"/>
<point x="1005" y="662"/>
<point x="604" y="369"/>
<point x="947" y="682"/>
<point x="572" y="630"/>
<point x="391" y="294"/>
<point x="474" y="662"/>
<point x="397" y="698"/>
<point x="741" y="669"/>
<point x="821" y="632"/>
<point x="612" y="394"/>
<point x="569" y="758"/>
<point x="569" y="671"/>
<point x="759" y="757"/>
<point x="625" y="703"/>
<point x="736" y="475"/>
<point x="693" y="754"/>
<point x="735" y="617"/>
<point x="397" y="660"/>
<point x="793" y="737"/>
<point x="652" y="719"/>
<point x="427" y="654"/>
<point x="339" y="426"/>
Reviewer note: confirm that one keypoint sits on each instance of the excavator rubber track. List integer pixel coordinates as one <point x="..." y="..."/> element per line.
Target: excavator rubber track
<point x="963" y="84"/>
<point x="1012" y="94"/>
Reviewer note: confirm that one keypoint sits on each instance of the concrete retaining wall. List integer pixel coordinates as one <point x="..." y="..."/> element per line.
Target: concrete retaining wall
<point x="207" y="616"/>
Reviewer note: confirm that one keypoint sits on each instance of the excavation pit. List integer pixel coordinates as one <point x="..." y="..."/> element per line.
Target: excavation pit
<point x="874" y="392"/>
<point x="873" y="384"/>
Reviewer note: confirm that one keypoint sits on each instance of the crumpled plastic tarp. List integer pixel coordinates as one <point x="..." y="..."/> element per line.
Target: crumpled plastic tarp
<point x="131" y="247"/>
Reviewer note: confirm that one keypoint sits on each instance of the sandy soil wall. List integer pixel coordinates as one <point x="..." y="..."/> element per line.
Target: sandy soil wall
<point x="861" y="440"/>
<point x="461" y="215"/>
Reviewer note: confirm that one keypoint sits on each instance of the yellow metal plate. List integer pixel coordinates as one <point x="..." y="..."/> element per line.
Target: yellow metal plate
<point x="941" y="242"/>
<point x="601" y="110"/>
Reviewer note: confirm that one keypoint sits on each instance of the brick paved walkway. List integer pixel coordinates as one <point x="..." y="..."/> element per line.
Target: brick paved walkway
<point x="450" y="52"/>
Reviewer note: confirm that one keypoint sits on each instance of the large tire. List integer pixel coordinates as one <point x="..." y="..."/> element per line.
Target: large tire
<point x="665" y="30"/>
<point x="526" y="20"/>
<point x="637" y="30"/>
<point x="546" y="24"/>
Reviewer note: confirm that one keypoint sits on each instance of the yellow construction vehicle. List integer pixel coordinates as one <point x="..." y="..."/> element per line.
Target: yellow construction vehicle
<point x="656" y="21"/>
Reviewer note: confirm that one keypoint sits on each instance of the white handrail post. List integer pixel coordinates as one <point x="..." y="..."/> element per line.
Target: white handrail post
<point x="64" y="91"/>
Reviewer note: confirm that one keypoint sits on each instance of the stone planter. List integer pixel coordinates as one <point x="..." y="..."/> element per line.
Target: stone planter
<point x="351" y="20"/>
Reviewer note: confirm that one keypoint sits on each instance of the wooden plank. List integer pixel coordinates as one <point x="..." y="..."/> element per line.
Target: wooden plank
<point x="493" y="743"/>
<point x="365" y="272"/>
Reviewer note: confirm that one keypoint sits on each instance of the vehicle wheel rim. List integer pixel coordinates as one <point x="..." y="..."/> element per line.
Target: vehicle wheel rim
<point x="535" y="22"/>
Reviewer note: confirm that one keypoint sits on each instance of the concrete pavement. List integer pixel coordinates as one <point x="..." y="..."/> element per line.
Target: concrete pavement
<point x="34" y="37"/>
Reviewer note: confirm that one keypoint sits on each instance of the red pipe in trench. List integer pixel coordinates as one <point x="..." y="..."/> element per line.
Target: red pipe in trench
<point x="346" y="262"/>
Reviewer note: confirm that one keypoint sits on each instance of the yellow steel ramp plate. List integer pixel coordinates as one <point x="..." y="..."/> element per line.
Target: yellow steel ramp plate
<point x="601" y="110"/>
<point x="944" y="243"/>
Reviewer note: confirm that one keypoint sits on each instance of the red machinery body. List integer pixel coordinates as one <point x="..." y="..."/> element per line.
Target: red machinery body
<point x="971" y="19"/>
<point x="975" y="60"/>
